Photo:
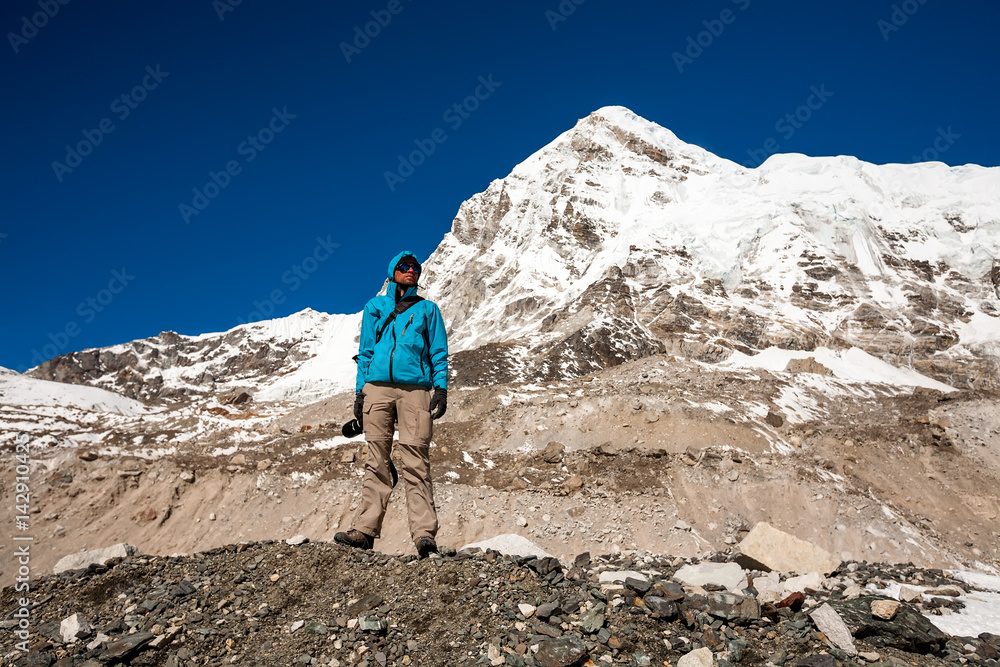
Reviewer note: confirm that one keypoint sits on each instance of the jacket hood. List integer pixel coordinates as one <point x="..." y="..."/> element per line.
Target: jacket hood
<point x="391" y="271"/>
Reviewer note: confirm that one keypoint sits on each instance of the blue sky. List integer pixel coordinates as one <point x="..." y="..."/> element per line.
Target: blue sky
<point x="191" y="165"/>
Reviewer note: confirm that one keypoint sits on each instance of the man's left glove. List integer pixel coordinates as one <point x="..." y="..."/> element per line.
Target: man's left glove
<point x="439" y="403"/>
<point x="359" y="408"/>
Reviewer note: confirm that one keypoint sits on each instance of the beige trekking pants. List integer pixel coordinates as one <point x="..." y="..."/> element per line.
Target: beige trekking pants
<point x="408" y="406"/>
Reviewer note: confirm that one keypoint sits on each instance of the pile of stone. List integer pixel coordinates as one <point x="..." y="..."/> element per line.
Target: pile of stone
<point x="275" y="603"/>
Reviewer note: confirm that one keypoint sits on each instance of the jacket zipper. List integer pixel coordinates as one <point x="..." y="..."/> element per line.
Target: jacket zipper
<point x="394" y="339"/>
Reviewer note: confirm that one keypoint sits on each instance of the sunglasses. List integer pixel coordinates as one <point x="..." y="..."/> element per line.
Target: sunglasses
<point x="403" y="267"/>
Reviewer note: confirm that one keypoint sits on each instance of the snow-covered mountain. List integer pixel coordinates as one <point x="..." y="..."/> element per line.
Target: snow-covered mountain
<point x="300" y="358"/>
<point x="21" y="390"/>
<point x="618" y="240"/>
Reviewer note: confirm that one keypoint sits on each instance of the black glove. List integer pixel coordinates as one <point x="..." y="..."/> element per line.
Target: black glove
<point x="439" y="403"/>
<point x="359" y="408"/>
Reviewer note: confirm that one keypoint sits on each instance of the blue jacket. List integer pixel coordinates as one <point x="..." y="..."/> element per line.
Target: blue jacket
<point x="412" y="350"/>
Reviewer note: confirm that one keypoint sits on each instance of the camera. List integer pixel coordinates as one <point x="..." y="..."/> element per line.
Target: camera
<point x="352" y="429"/>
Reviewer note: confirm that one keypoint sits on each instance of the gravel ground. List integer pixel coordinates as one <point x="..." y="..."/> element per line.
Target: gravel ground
<point x="270" y="603"/>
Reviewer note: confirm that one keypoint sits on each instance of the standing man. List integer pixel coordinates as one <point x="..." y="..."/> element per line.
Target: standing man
<point x="402" y="359"/>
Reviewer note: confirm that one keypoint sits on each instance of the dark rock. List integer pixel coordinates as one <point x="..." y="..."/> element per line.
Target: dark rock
<point x="733" y="607"/>
<point x="124" y="649"/>
<point x="562" y="652"/>
<point x="670" y="590"/>
<point x="547" y="630"/>
<point x="660" y="607"/>
<point x="544" y="611"/>
<point x="366" y="603"/>
<point x="185" y="587"/>
<point x="793" y="601"/>
<point x="820" y="660"/>
<point x="640" y="586"/>
<point x="907" y="631"/>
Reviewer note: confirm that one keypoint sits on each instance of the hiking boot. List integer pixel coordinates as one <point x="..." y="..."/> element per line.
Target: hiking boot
<point x="355" y="538"/>
<point x="426" y="546"/>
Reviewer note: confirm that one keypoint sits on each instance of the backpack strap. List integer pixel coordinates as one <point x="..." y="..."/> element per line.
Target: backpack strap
<point x="401" y="306"/>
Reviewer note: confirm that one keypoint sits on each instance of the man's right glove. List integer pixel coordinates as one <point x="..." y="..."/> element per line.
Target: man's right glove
<point x="439" y="403"/>
<point x="359" y="408"/>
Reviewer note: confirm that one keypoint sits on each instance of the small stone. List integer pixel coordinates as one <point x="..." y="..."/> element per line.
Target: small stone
<point x="295" y="541"/>
<point x="947" y="591"/>
<point x="734" y="475"/>
<point x="660" y="607"/>
<point x="638" y="585"/>
<point x="347" y="457"/>
<point x="701" y="657"/>
<point x="296" y="625"/>
<point x="593" y="620"/>
<point x="315" y="628"/>
<point x="526" y="609"/>
<point x="885" y="609"/>
<point x="729" y="575"/>
<point x="263" y="464"/>
<point x="829" y="622"/>
<point x="870" y="656"/>
<point x="187" y="476"/>
<point x="373" y="625"/>
<point x="211" y="517"/>
<point x="553" y="452"/>
<point x="907" y="594"/>
<point x="73" y="627"/>
<point x="239" y="460"/>
<point x="86" y="455"/>
<point x="561" y="652"/>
